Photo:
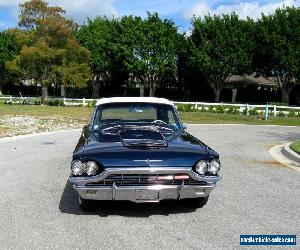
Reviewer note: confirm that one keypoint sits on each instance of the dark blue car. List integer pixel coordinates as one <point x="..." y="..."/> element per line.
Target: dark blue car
<point x="136" y="149"/>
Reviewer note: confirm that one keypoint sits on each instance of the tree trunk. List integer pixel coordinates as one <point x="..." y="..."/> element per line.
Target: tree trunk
<point x="217" y="92"/>
<point x="152" y="88"/>
<point x="62" y="90"/>
<point x="285" y="95"/>
<point x="1" y="90"/>
<point x="44" y="94"/>
<point x="142" y="90"/>
<point x="96" y="87"/>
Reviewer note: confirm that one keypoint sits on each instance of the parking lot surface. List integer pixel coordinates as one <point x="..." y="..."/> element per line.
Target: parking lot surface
<point x="256" y="196"/>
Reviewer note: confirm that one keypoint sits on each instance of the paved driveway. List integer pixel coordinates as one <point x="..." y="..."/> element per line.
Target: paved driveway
<point x="38" y="207"/>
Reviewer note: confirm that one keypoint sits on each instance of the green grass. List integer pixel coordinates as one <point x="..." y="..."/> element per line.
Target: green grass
<point x="296" y="147"/>
<point x="79" y="113"/>
<point x="84" y="113"/>
<point x="218" y="118"/>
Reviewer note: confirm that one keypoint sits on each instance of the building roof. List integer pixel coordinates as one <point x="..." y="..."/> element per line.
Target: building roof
<point x="252" y="80"/>
<point x="134" y="100"/>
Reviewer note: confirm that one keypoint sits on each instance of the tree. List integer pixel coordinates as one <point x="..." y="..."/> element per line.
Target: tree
<point x="50" y="48"/>
<point x="102" y="37"/>
<point x="221" y="47"/>
<point x="278" y="49"/>
<point x="150" y="48"/>
<point x="8" y="50"/>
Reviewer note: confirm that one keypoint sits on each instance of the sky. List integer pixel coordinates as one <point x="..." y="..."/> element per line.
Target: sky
<point x="181" y="11"/>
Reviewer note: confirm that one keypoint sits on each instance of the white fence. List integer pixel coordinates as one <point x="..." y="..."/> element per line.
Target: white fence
<point x="273" y="109"/>
<point x="242" y="108"/>
<point x="65" y="101"/>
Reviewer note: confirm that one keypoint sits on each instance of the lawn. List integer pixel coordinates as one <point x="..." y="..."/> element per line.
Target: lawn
<point x="22" y="119"/>
<point x="296" y="146"/>
<point x="217" y="118"/>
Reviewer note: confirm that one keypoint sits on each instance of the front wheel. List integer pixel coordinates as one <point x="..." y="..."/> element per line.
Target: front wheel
<point x="197" y="202"/>
<point x="84" y="204"/>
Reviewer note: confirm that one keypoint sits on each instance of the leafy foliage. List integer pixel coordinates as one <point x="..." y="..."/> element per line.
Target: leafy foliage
<point x="50" y="49"/>
<point x="102" y="37"/>
<point x="150" y="49"/>
<point x="221" y="46"/>
<point x="8" y="49"/>
<point x="278" y="48"/>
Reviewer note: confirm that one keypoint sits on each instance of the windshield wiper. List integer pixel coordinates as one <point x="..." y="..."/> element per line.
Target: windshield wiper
<point x="116" y="129"/>
<point x="165" y="129"/>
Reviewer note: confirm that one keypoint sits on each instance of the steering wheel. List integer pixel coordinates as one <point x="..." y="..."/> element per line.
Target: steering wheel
<point x="159" y="121"/>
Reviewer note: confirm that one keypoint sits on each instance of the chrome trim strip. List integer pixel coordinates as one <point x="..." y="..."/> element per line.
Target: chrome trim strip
<point x="144" y="170"/>
<point x="151" y="187"/>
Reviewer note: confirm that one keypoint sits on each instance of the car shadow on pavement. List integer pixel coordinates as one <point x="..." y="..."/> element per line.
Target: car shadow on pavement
<point x="69" y="204"/>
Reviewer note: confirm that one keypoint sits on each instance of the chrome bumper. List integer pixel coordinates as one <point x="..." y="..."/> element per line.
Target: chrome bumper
<point x="152" y="193"/>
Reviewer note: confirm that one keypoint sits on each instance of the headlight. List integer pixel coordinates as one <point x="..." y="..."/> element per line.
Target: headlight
<point x="214" y="166"/>
<point x="91" y="168"/>
<point x="201" y="167"/>
<point x="77" y="167"/>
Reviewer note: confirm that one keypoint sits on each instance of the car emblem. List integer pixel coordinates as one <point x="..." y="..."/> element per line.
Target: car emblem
<point x="148" y="162"/>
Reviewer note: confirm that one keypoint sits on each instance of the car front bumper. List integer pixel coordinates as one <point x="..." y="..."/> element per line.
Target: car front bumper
<point x="143" y="193"/>
<point x="152" y="193"/>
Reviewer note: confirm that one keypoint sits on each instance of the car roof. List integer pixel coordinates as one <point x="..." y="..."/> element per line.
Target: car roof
<point x="134" y="100"/>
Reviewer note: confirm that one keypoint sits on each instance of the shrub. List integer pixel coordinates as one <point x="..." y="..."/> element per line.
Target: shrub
<point x="186" y="108"/>
<point x="55" y="103"/>
<point x="233" y="110"/>
<point x="220" y="109"/>
<point x="93" y="103"/>
<point x="245" y="111"/>
<point x="281" y="114"/>
<point x="202" y="109"/>
<point x="292" y="113"/>
<point x="253" y="112"/>
<point x="211" y="109"/>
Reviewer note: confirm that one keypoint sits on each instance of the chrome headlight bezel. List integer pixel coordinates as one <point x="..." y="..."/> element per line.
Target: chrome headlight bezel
<point x="77" y="167"/>
<point x="208" y="167"/>
<point x="214" y="166"/>
<point x="201" y="167"/>
<point x="89" y="168"/>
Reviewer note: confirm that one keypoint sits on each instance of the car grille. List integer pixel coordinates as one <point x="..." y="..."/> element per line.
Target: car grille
<point x="146" y="180"/>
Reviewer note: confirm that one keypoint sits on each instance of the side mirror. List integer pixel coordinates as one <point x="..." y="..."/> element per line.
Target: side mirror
<point x="86" y="130"/>
<point x="184" y="125"/>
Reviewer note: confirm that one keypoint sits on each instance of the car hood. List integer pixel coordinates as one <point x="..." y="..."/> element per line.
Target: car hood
<point x="177" y="150"/>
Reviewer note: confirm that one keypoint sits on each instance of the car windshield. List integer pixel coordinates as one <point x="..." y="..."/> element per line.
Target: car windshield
<point x="136" y="114"/>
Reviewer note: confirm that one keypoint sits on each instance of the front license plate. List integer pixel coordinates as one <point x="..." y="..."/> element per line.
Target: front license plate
<point x="146" y="195"/>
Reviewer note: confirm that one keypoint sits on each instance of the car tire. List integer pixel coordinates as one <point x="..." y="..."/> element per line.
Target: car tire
<point x="198" y="202"/>
<point x="85" y="205"/>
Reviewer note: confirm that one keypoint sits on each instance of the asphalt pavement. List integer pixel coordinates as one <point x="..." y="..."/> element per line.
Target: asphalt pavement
<point x="38" y="207"/>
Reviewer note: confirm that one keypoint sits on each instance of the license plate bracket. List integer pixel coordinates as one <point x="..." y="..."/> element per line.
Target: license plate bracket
<point x="146" y="194"/>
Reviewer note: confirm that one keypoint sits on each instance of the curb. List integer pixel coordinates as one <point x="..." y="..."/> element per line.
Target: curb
<point x="277" y="154"/>
<point x="289" y="153"/>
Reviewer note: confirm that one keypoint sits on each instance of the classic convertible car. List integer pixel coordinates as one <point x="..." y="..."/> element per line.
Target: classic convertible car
<point x="137" y="149"/>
